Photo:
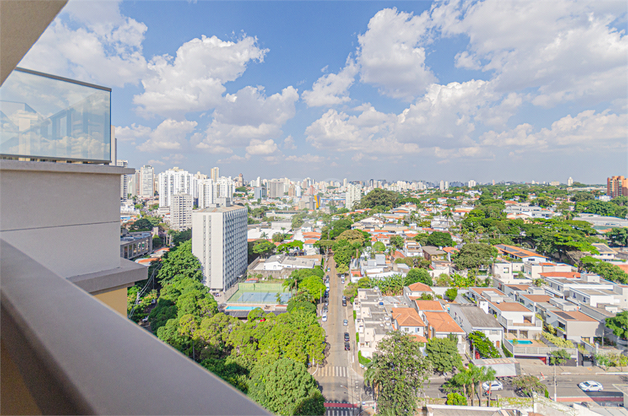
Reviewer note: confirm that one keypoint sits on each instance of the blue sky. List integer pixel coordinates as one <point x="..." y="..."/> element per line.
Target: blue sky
<point x="482" y="90"/>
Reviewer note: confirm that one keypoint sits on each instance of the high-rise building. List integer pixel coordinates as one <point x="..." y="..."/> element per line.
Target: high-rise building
<point x="215" y="174"/>
<point x="124" y="180"/>
<point x="224" y="188"/>
<point x="147" y="181"/>
<point x="219" y="242"/>
<point x="175" y="181"/>
<point x="570" y="181"/>
<point x="471" y="183"/>
<point x="181" y="212"/>
<point x="259" y="192"/>
<point x="352" y="196"/>
<point x="275" y="189"/>
<point x="616" y="186"/>
<point x="442" y="186"/>
<point x="205" y="193"/>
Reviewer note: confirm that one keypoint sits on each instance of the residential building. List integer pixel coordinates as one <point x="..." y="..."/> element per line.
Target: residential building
<point x="146" y="187"/>
<point x="276" y="189"/>
<point x="471" y="183"/>
<point x="219" y="242"/>
<point x="516" y="319"/>
<point x="520" y="253"/>
<point x="181" y="212"/>
<point x="570" y="181"/>
<point x="616" y="186"/>
<point x="124" y="180"/>
<point x="575" y="325"/>
<point x="442" y="325"/>
<point x="175" y="181"/>
<point x="215" y="174"/>
<point x="136" y="244"/>
<point x="407" y="320"/>
<point x="352" y="196"/>
<point x="259" y="192"/>
<point x="205" y="193"/>
<point x="471" y="319"/>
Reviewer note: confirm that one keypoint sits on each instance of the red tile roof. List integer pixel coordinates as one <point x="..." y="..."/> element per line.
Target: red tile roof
<point x="428" y="305"/>
<point x="442" y="322"/>
<point x="407" y="317"/>
<point x="567" y="275"/>
<point x="420" y="287"/>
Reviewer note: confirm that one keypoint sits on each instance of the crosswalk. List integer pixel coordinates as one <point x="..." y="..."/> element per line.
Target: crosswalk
<point x="332" y="371"/>
<point x="340" y="412"/>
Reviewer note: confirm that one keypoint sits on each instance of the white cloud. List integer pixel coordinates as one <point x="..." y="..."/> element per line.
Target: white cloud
<point x="93" y="42"/>
<point x="567" y="50"/>
<point x="586" y="130"/>
<point x="331" y="89"/>
<point x="391" y="53"/>
<point x="154" y="162"/>
<point x="307" y="158"/>
<point x="170" y="135"/>
<point x="258" y="147"/>
<point x="247" y="115"/>
<point x="193" y="80"/>
<point x="234" y="158"/>
<point x="288" y="143"/>
<point x="132" y="133"/>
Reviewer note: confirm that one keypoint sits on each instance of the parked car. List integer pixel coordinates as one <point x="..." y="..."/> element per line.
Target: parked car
<point x="344" y="302"/>
<point x="347" y="346"/>
<point x="345" y="322"/>
<point x="324" y="318"/>
<point x="591" y="386"/>
<point x="342" y="280"/>
<point x="493" y="385"/>
<point x="346" y="337"/>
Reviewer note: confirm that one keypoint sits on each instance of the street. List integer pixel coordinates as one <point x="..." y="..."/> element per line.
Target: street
<point x="338" y="379"/>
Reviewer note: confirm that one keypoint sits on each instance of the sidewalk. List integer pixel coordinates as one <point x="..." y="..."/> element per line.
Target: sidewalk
<point x="541" y="370"/>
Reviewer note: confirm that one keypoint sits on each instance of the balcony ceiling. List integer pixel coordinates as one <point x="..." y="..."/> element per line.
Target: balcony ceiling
<point x="21" y="24"/>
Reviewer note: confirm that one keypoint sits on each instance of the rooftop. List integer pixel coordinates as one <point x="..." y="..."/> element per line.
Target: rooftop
<point x="574" y="316"/>
<point x="442" y="322"/>
<point x="407" y="317"/>
<point x="517" y="251"/>
<point x="220" y="209"/>
<point x="428" y="305"/>
<point x="419" y="287"/>
<point x="510" y="307"/>
<point x="476" y="316"/>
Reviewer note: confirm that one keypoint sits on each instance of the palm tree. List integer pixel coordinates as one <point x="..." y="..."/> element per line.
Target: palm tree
<point x="291" y="283"/>
<point x="481" y="375"/>
<point x="464" y="379"/>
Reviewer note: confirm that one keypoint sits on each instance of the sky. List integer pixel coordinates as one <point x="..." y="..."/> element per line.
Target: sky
<point x="452" y="90"/>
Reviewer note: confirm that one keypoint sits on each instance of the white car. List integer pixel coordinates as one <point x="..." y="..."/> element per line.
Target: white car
<point x="324" y="318"/>
<point x="494" y="385"/>
<point x="345" y="322"/>
<point x="591" y="386"/>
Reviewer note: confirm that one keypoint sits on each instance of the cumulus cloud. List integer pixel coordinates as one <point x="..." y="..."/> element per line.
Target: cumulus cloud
<point x="170" y="135"/>
<point x="258" y="147"/>
<point x="567" y="50"/>
<point x="288" y="143"/>
<point x="392" y="54"/>
<point x="588" y="129"/>
<point x="247" y="115"/>
<point x="332" y="89"/>
<point x="307" y="158"/>
<point x="132" y="133"/>
<point x="93" y="42"/>
<point x="193" y="80"/>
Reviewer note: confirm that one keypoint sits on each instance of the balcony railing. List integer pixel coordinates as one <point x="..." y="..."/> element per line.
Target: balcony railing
<point x="53" y="118"/>
<point x="510" y="324"/>
<point x="78" y="356"/>
<point x="535" y="351"/>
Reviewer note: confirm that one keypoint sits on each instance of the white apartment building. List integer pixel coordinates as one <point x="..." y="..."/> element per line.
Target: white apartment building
<point x="215" y="174"/>
<point x="124" y="180"/>
<point x="205" y="193"/>
<point x="175" y="181"/>
<point x="352" y="196"/>
<point x="181" y="212"/>
<point x="146" y="186"/>
<point x="224" y="187"/>
<point x="219" y="242"/>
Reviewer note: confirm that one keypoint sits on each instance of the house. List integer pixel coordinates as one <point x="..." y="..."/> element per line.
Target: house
<point x="605" y="252"/>
<point x="471" y="318"/>
<point x="417" y="289"/>
<point x="480" y="293"/>
<point x="516" y="319"/>
<point x="408" y="320"/>
<point x="520" y="254"/>
<point x="531" y="301"/>
<point x="432" y="253"/>
<point x="575" y="325"/>
<point x="427" y="305"/>
<point x="442" y="325"/>
<point x="412" y="249"/>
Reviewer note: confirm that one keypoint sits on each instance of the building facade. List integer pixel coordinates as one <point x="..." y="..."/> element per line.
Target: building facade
<point x="175" y="181"/>
<point x="205" y="193"/>
<point x="616" y="186"/>
<point x="147" y="182"/>
<point x="352" y="196"/>
<point x="219" y="242"/>
<point x="181" y="212"/>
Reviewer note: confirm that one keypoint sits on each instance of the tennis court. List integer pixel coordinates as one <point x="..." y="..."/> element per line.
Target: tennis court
<point x="260" y="293"/>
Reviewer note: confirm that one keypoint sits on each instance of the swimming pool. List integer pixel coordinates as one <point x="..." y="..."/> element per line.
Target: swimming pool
<point x="241" y="308"/>
<point x="521" y="341"/>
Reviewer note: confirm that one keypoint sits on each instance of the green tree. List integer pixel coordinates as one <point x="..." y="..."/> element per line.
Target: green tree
<point x="608" y="271"/>
<point x="379" y="247"/>
<point x="278" y="237"/>
<point x="418" y="276"/>
<point x="451" y="294"/>
<point x="342" y="268"/>
<point x="142" y="224"/>
<point x="440" y="239"/>
<point x="263" y="247"/>
<point x="352" y="236"/>
<point x="282" y="386"/>
<point x="314" y="286"/>
<point x="455" y="399"/>
<point x="180" y="263"/>
<point x="397" y="241"/>
<point x="379" y="198"/>
<point x="474" y="256"/>
<point x="619" y="324"/>
<point x="398" y="372"/>
<point x="559" y="357"/>
<point x="527" y="385"/>
<point x="619" y="236"/>
<point x="484" y="346"/>
<point x="443" y="354"/>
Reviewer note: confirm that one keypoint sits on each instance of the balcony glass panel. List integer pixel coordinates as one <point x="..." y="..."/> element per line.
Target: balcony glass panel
<point x="51" y="118"/>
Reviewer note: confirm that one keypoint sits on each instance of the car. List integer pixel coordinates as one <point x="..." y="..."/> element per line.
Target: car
<point x="344" y="297"/>
<point x="344" y="302"/>
<point x="346" y="337"/>
<point x="591" y="385"/>
<point x="493" y="385"/>
<point x="324" y="318"/>
<point x="347" y="346"/>
<point x="345" y="322"/>
<point x="342" y="280"/>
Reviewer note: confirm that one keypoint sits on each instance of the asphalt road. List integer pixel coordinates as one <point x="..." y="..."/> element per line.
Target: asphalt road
<point x="337" y="378"/>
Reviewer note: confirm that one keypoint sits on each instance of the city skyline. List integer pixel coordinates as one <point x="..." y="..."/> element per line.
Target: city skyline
<point x="370" y="90"/>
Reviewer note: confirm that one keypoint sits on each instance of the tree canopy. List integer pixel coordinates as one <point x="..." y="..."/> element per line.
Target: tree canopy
<point x="619" y="324"/>
<point x="443" y="354"/>
<point x="440" y="239"/>
<point x="474" y="256"/>
<point x="379" y="197"/>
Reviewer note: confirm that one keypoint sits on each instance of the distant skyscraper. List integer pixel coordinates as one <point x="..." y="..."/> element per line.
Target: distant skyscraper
<point x="175" y="181"/>
<point x="259" y="192"/>
<point x="275" y="189"/>
<point x="215" y="174"/>
<point x="493" y="181"/>
<point x="181" y="212"/>
<point x="219" y="242"/>
<point x="616" y="186"/>
<point x="124" y="180"/>
<point x="471" y="183"/>
<point x="147" y="181"/>
<point x="352" y="196"/>
<point x="205" y="193"/>
<point x="442" y="186"/>
<point x="570" y="181"/>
